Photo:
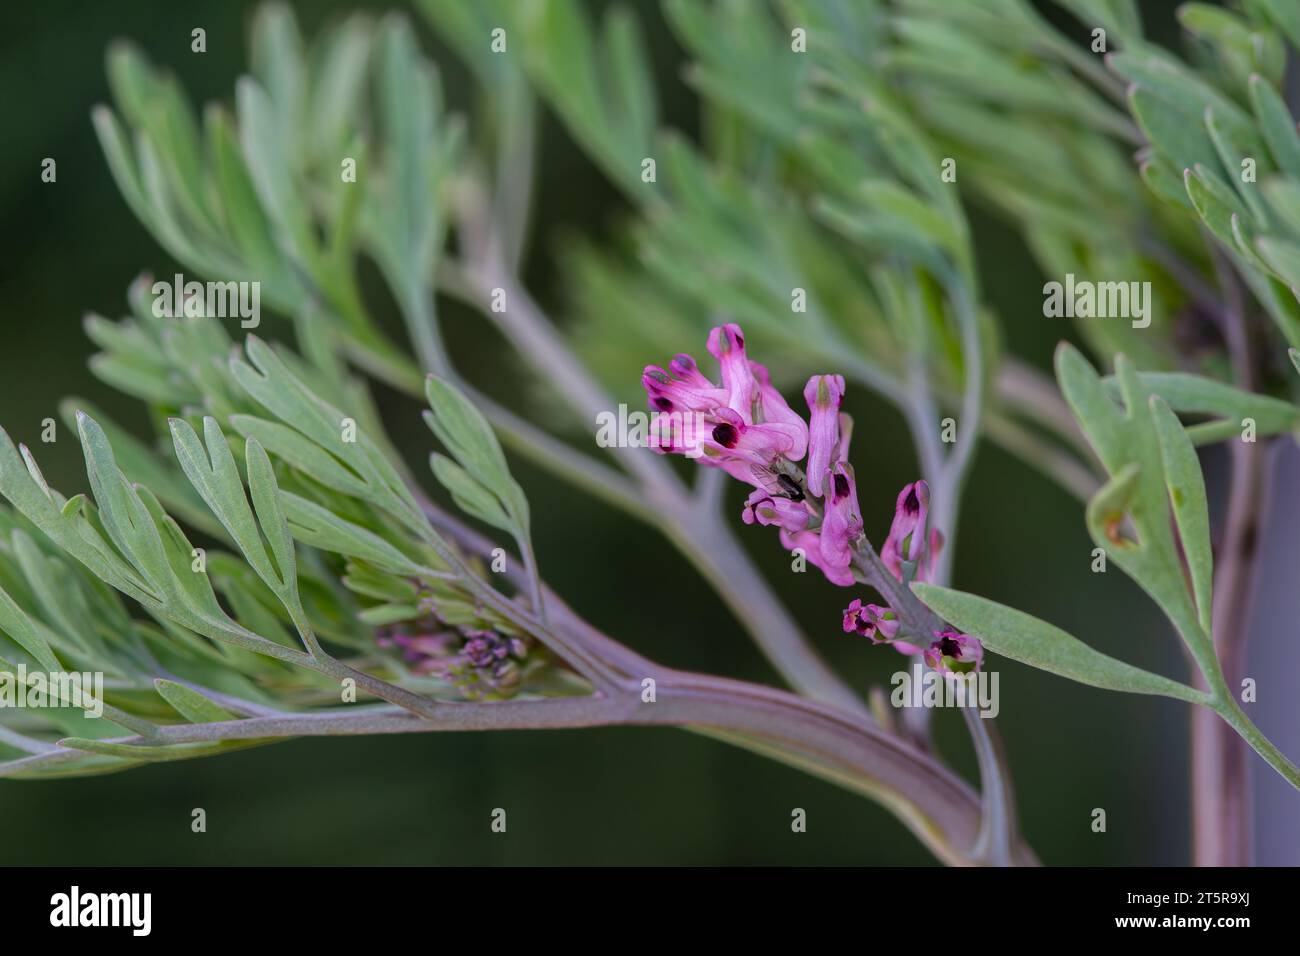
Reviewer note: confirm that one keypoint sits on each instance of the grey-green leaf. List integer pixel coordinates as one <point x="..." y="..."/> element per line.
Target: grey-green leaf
<point x="1031" y="641"/>
<point x="190" y="704"/>
<point x="1186" y="487"/>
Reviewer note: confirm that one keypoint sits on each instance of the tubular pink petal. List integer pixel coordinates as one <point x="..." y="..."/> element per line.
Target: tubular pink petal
<point x="727" y="345"/>
<point x="823" y="394"/>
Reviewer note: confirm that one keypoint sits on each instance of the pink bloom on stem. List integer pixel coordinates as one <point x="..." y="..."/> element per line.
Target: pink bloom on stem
<point x="907" y="533"/>
<point x="823" y="393"/>
<point x="732" y="441"/>
<point x="776" y="414"/>
<point x="830" y="477"/>
<point x="877" y="624"/>
<point x="954" y="653"/>
<point x="784" y="512"/>
<point x="727" y="345"/>
<point x="842" y="520"/>
<point x="743" y="426"/>
<point x="683" y="388"/>
<point x="746" y="428"/>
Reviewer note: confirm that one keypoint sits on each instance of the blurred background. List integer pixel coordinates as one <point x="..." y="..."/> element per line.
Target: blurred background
<point x="611" y="796"/>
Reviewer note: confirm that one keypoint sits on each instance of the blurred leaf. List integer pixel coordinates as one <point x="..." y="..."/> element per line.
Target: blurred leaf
<point x="1277" y="125"/>
<point x="17" y="626"/>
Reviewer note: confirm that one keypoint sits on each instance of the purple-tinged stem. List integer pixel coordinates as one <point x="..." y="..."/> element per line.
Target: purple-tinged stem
<point x="1222" y="825"/>
<point x="1221" y="794"/>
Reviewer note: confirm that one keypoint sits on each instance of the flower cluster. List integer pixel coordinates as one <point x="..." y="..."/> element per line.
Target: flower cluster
<point x="745" y="427"/>
<point x="909" y="555"/>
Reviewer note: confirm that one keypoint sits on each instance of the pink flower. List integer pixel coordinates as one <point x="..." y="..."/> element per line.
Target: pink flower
<point x="746" y="428"/>
<point x="682" y="389"/>
<point x="954" y="653"/>
<point x="746" y="451"/>
<point x="777" y="415"/>
<point x="779" y="510"/>
<point x="830" y="477"/>
<point x="906" y="541"/>
<point x="743" y="426"/>
<point x="823" y="393"/>
<point x="727" y="345"/>
<point x="842" y="520"/>
<point x="877" y="624"/>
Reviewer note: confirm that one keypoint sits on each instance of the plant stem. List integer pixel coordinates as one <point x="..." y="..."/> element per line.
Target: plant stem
<point x="1222" y="827"/>
<point x="931" y="801"/>
<point x="1221" y="801"/>
<point x="1232" y="713"/>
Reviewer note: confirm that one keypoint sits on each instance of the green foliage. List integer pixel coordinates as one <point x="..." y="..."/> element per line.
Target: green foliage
<point x="1023" y="638"/>
<point x="1130" y="518"/>
<point x="835" y="176"/>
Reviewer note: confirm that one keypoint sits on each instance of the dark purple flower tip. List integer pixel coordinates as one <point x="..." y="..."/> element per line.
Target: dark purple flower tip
<point x="954" y="653"/>
<point x="916" y="498"/>
<point x="726" y="435"/>
<point x="682" y="364"/>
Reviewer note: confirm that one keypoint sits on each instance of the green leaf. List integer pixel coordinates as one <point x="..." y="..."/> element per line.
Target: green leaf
<point x="159" y="753"/>
<point x="215" y="476"/>
<point x="65" y="523"/>
<point x="1179" y="136"/>
<point x="631" y="83"/>
<point x="1195" y="394"/>
<point x="143" y="465"/>
<point x="1283" y="195"/>
<point x="190" y="704"/>
<point x="468" y="436"/>
<point x="1186" y="487"/>
<point x="271" y="383"/>
<point x="123" y="513"/>
<point x="295" y="449"/>
<point x="1282" y="256"/>
<point x="1128" y="446"/>
<point x="1031" y="641"/>
<point x="321" y="528"/>
<point x="1215" y="204"/>
<point x="1277" y="125"/>
<point x="470" y="496"/>
<point x="15" y="623"/>
<point x="265" y="493"/>
<point x="1285" y="15"/>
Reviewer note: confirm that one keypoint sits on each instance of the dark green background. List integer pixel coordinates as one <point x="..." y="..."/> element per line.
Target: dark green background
<point x="600" y="796"/>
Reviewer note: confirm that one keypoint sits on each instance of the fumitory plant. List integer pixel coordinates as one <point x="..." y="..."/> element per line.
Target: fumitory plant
<point x="270" y="565"/>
